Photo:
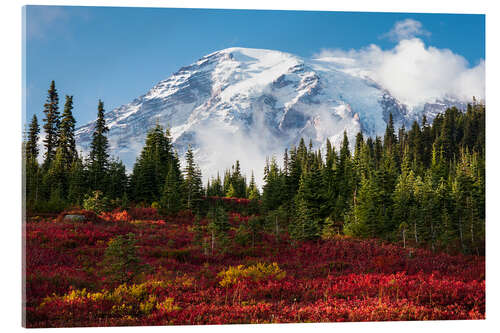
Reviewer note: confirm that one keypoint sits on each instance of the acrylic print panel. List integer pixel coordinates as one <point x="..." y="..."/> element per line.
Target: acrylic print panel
<point x="301" y="166"/>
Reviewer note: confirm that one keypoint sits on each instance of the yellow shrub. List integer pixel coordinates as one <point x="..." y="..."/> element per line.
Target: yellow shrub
<point x="148" y="306"/>
<point x="126" y="299"/>
<point x="184" y="280"/>
<point x="167" y="305"/>
<point x="122" y="310"/>
<point x="256" y="272"/>
<point x="136" y="291"/>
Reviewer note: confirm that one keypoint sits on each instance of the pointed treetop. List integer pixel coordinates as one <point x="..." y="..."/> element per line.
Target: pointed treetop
<point x="32" y="141"/>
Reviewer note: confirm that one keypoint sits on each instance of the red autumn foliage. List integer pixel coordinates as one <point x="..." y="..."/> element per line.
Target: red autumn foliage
<point x="236" y="201"/>
<point x="116" y="215"/>
<point x="140" y="213"/>
<point x="340" y="279"/>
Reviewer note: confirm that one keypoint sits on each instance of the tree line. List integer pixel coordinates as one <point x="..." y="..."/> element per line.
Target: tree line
<point x="425" y="185"/>
<point x="67" y="178"/>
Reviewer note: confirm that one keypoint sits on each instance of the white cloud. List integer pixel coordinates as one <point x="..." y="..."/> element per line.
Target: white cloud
<point x="250" y="148"/>
<point x="406" y="29"/>
<point x="41" y="19"/>
<point x="413" y="72"/>
<point x="44" y="21"/>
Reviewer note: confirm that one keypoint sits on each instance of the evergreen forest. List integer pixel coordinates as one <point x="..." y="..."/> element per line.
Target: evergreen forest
<point x="423" y="185"/>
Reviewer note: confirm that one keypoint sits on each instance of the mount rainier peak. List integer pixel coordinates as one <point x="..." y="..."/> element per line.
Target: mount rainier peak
<point x="247" y="104"/>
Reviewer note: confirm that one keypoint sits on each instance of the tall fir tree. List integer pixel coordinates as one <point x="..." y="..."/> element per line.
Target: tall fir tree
<point x="329" y="185"/>
<point x="51" y="124"/>
<point x="238" y="185"/>
<point x="117" y="180"/>
<point x="56" y="181"/>
<point x="31" y="147"/>
<point x="193" y="187"/>
<point x="309" y="199"/>
<point x="171" y="201"/>
<point x="77" y="182"/>
<point x="273" y="186"/>
<point x="390" y="139"/>
<point x="294" y="173"/>
<point x="344" y="179"/>
<point x="215" y="187"/>
<point x="152" y="165"/>
<point x="252" y="191"/>
<point x="66" y="140"/>
<point x="99" y="156"/>
<point x="33" y="177"/>
<point x="218" y="227"/>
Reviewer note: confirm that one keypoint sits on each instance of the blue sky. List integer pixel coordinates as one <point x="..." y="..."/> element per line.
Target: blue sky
<point x="118" y="54"/>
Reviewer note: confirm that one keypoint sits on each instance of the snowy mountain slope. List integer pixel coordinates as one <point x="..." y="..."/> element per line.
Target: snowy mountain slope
<point x="247" y="104"/>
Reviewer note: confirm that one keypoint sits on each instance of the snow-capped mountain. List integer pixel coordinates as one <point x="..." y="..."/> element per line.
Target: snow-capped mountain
<point x="246" y="104"/>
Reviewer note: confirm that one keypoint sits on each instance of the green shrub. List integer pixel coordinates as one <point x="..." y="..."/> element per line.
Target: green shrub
<point x="96" y="202"/>
<point x="121" y="263"/>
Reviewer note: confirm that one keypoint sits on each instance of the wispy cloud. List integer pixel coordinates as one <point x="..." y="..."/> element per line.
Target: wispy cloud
<point x="406" y="29"/>
<point x="41" y="19"/>
<point x="45" y="21"/>
<point x="413" y="72"/>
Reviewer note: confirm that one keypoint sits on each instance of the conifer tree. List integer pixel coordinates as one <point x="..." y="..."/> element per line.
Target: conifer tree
<point x="33" y="175"/>
<point x="215" y="187"/>
<point x="294" y="173"/>
<point x="357" y="162"/>
<point x="66" y="140"/>
<point x="77" y="182"/>
<point x="151" y="168"/>
<point x="32" y="142"/>
<point x="51" y="124"/>
<point x="466" y="205"/>
<point x="117" y="180"/>
<point x="99" y="157"/>
<point x="32" y="182"/>
<point x="307" y="219"/>
<point x="273" y="186"/>
<point x="226" y="183"/>
<point x="378" y="151"/>
<point x="237" y="183"/>
<point x="56" y="181"/>
<point x="438" y="167"/>
<point x="193" y="188"/>
<point x="390" y="135"/>
<point x="368" y="209"/>
<point x="329" y="184"/>
<point x="171" y="198"/>
<point x="428" y="210"/>
<point x="231" y="193"/>
<point x="426" y="141"/>
<point x="442" y="194"/>
<point x="253" y="191"/>
<point x="358" y="145"/>
<point x="218" y="227"/>
<point x="303" y="226"/>
<point x="344" y="179"/>
<point x="415" y="145"/>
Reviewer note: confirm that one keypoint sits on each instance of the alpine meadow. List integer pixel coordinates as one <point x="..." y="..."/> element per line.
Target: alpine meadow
<point x="254" y="185"/>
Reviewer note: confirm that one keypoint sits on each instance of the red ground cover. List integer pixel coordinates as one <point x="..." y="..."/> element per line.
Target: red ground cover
<point x="341" y="279"/>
